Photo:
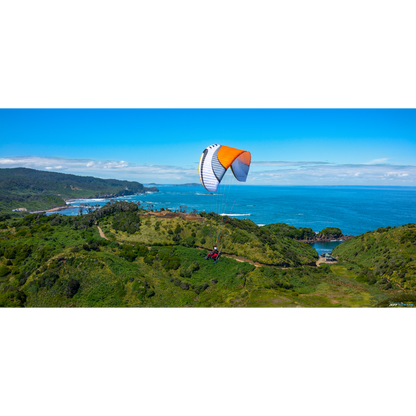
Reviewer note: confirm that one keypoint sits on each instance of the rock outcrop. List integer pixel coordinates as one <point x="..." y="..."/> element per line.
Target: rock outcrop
<point x="326" y="238"/>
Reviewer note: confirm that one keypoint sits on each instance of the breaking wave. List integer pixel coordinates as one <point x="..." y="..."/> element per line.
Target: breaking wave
<point x="235" y="215"/>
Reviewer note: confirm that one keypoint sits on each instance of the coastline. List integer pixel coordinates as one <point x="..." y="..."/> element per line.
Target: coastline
<point x="56" y="209"/>
<point x="326" y="239"/>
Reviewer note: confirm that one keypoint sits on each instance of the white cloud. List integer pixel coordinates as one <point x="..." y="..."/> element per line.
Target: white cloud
<point x="332" y="174"/>
<point x="273" y="173"/>
<point x="281" y="163"/>
<point x="108" y="168"/>
<point x="377" y="161"/>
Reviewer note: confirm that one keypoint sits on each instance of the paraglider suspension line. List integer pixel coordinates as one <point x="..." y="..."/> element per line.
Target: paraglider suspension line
<point x="223" y="228"/>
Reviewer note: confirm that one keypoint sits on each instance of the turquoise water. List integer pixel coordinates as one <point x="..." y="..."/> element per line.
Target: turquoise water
<point x="325" y="247"/>
<point x="354" y="210"/>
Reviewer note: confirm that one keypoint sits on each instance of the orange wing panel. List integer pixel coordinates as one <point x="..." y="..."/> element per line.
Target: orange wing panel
<point x="226" y="155"/>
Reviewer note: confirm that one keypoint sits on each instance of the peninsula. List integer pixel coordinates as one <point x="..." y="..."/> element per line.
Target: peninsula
<point x="307" y="235"/>
<point x="23" y="189"/>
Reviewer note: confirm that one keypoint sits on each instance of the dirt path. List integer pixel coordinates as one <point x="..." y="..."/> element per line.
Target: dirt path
<point x="238" y="258"/>
<point x="102" y="235"/>
<point x="242" y="259"/>
<point x="231" y="256"/>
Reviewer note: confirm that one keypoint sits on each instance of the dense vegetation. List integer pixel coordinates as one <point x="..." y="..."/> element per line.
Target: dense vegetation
<point x="386" y="256"/>
<point x="155" y="260"/>
<point x="240" y="237"/>
<point x="281" y="229"/>
<point x="330" y="232"/>
<point x="36" y="190"/>
<point x="285" y="230"/>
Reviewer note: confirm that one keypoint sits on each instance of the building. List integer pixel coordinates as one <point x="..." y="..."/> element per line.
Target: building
<point x="330" y="258"/>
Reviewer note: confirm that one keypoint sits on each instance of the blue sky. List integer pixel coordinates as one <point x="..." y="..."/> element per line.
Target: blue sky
<point x="289" y="147"/>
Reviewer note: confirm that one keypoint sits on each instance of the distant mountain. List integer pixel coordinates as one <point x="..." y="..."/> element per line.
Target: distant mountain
<point x="33" y="189"/>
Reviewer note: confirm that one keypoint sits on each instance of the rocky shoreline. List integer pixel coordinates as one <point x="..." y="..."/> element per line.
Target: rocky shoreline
<point x="125" y="192"/>
<point x="326" y="239"/>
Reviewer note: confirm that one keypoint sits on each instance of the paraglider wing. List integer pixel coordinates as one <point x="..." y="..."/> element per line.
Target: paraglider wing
<point x="216" y="159"/>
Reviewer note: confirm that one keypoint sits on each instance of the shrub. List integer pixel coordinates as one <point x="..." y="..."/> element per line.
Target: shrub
<point x="12" y="297"/>
<point x="186" y="273"/>
<point x="10" y="253"/>
<point x="142" y="250"/>
<point x="203" y="241"/>
<point x="95" y="247"/>
<point x="72" y="288"/>
<point x="362" y="278"/>
<point x="4" y="270"/>
<point x="189" y="242"/>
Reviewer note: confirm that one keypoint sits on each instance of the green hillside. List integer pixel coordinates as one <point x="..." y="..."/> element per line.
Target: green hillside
<point x="386" y="256"/>
<point x="36" y="190"/>
<point x="240" y="237"/>
<point x="158" y="259"/>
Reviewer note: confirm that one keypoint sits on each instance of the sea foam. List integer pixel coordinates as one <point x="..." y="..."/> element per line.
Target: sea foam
<point x="235" y="215"/>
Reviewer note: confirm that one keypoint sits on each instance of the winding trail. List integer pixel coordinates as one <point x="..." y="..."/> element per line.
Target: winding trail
<point x="238" y="258"/>
<point x="231" y="256"/>
<point x="102" y="235"/>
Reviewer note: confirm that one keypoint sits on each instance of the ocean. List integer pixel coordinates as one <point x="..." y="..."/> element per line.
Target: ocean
<point x="353" y="209"/>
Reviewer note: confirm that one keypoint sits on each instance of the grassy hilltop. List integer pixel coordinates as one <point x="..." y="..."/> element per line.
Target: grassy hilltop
<point x="37" y="190"/>
<point x="157" y="259"/>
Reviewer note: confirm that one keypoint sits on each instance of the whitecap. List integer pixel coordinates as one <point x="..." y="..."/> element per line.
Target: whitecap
<point x="235" y="215"/>
<point x="83" y="201"/>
